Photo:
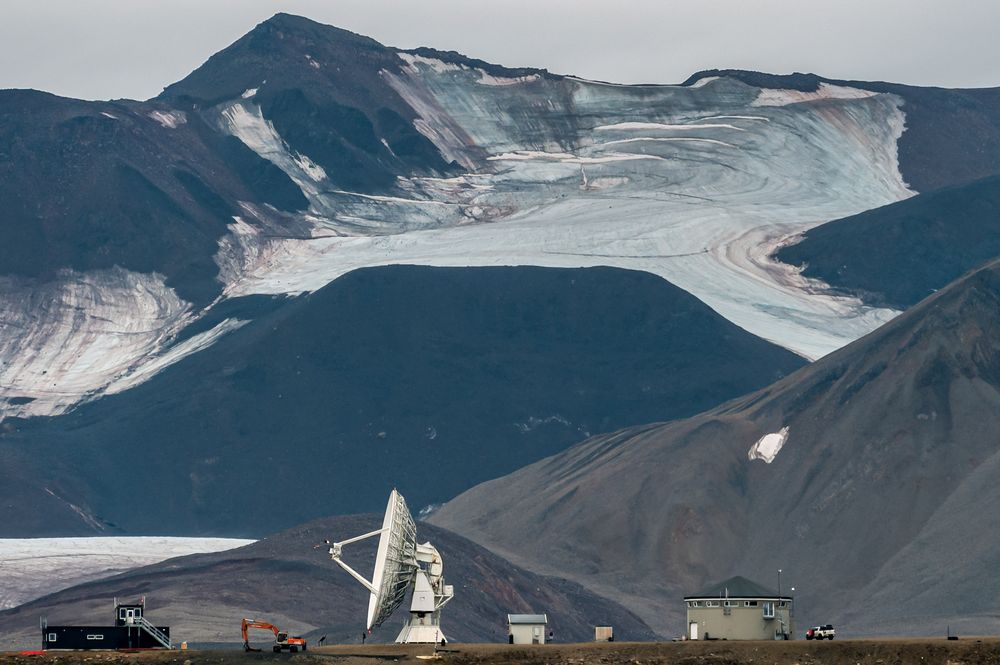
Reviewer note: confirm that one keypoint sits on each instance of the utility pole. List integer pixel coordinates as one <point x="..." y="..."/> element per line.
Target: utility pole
<point x="778" y="608"/>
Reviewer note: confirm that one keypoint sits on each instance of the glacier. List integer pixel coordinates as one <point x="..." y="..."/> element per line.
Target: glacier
<point x="697" y="184"/>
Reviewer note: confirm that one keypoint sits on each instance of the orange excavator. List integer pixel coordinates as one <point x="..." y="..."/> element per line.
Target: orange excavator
<point x="281" y="639"/>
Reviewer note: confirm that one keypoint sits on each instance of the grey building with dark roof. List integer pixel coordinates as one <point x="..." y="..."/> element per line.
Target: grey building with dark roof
<point x="739" y="609"/>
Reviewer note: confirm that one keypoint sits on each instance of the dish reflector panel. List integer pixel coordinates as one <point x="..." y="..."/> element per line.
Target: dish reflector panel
<point x="395" y="562"/>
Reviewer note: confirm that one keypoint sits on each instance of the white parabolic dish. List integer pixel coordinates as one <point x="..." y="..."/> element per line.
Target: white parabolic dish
<point x="395" y="561"/>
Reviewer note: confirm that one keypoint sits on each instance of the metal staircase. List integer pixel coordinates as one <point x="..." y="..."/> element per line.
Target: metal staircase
<point x="157" y="634"/>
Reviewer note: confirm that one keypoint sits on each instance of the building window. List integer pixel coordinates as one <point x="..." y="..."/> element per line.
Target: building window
<point x="768" y="609"/>
<point x="751" y="603"/>
<point x="95" y="637"/>
<point x="53" y="637"/>
<point x="711" y="603"/>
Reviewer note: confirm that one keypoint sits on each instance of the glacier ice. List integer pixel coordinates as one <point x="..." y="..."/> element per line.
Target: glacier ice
<point x="695" y="184"/>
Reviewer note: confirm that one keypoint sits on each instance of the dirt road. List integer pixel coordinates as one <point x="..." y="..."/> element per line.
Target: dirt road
<point x="966" y="651"/>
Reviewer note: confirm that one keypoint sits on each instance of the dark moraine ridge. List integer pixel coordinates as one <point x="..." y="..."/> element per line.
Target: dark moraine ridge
<point x="899" y="254"/>
<point x="432" y="379"/>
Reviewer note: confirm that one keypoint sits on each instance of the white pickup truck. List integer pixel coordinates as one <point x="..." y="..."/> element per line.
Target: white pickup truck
<point x="819" y="632"/>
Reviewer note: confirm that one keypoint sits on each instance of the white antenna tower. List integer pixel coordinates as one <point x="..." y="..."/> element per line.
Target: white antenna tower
<point x="401" y="566"/>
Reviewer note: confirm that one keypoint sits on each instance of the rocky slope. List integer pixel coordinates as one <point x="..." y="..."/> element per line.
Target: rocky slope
<point x="295" y="585"/>
<point x="864" y="476"/>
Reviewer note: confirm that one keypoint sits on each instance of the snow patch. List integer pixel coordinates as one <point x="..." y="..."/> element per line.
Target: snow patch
<point x="245" y="121"/>
<point x="768" y="446"/>
<point x="736" y="117"/>
<point x="772" y="97"/>
<point x="642" y="139"/>
<point x="630" y="126"/>
<point x="438" y="66"/>
<point x="249" y="92"/>
<point x="169" y="119"/>
<point x="704" y="81"/>
<point x="489" y="79"/>
<point x="568" y="158"/>
<point x="310" y="168"/>
<point x="108" y="115"/>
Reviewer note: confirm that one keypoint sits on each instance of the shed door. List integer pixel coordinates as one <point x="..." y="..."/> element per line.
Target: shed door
<point x="693" y="630"/>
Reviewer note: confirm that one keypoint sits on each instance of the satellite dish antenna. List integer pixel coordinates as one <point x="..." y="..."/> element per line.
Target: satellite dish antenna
<point x="403" y="566"/>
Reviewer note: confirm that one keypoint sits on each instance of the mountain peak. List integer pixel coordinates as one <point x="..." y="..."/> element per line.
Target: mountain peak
<point x="283" y="24"/>
<point x="290" y="51"/>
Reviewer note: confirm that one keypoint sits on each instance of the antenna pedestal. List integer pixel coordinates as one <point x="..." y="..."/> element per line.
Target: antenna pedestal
<point x="424" y="629"/>
<point x="424" y="623"/>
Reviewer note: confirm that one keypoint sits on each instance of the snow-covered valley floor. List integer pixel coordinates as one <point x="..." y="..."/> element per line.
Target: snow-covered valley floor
<point x="33" y="567"/>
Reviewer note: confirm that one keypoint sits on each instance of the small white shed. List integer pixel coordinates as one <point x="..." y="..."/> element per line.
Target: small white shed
<point x="526" y="628"/>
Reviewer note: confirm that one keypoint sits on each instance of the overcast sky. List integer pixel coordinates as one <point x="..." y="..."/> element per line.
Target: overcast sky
<point x="101" y="49"/>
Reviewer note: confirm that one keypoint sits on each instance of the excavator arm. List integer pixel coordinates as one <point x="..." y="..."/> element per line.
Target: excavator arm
<point x="247" y="624"/>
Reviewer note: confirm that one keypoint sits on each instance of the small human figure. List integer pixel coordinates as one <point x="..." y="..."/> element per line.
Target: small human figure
<point x="363" y="635"/>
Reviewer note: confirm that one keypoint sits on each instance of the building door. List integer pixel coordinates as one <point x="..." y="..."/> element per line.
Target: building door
<point x="693" y="630"/>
